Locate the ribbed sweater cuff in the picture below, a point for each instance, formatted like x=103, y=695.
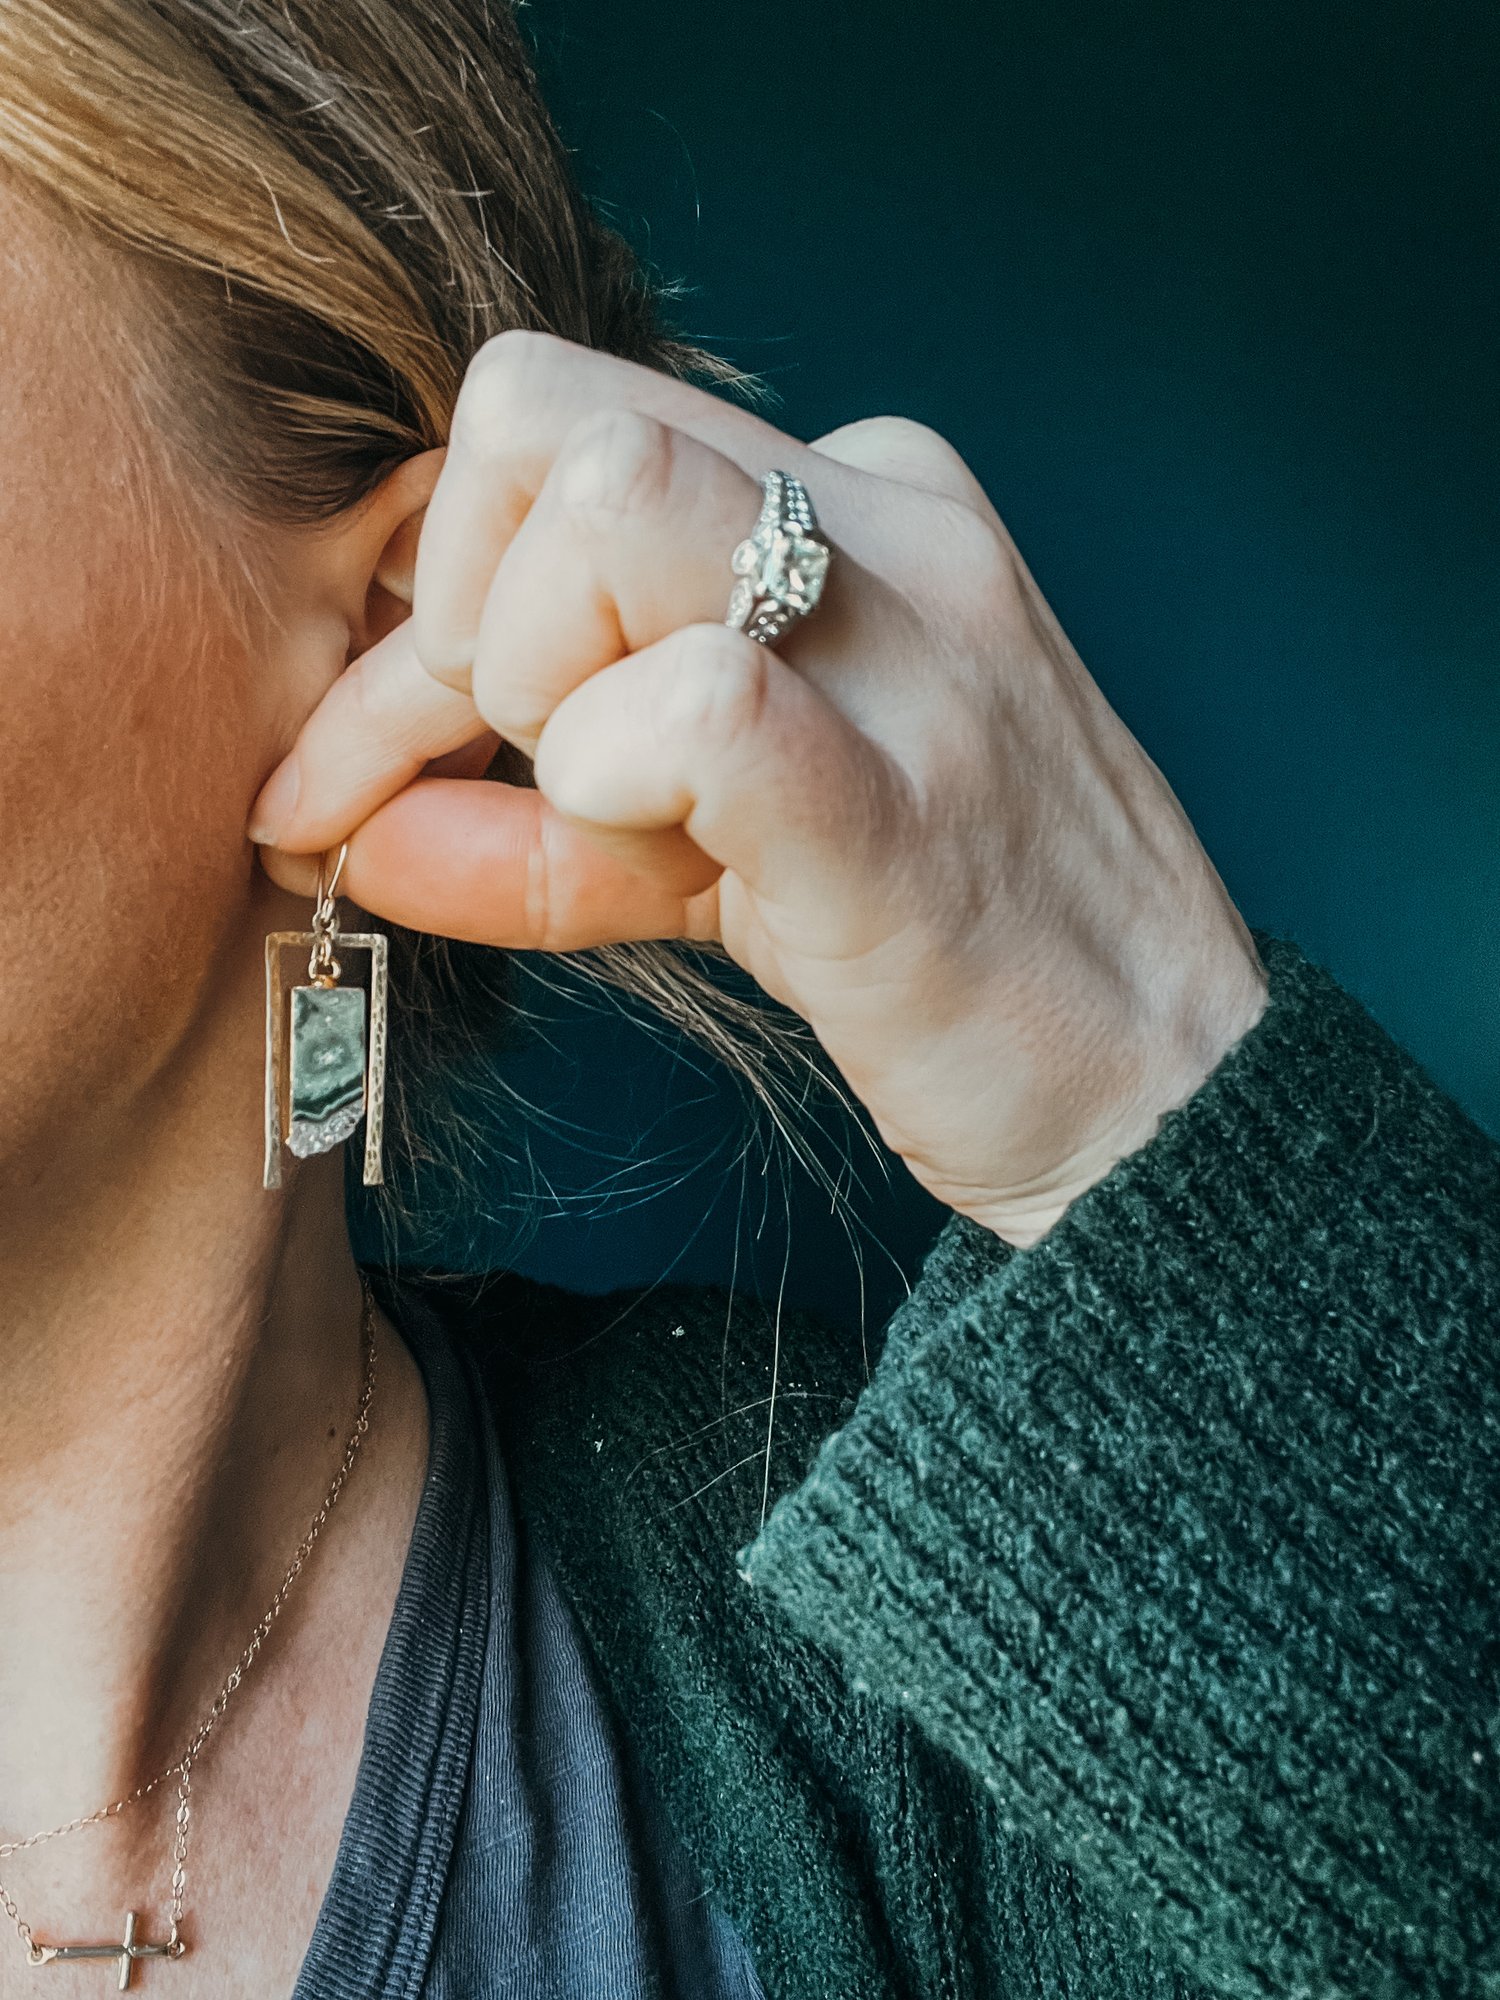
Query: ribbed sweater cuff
x=1179, y=1528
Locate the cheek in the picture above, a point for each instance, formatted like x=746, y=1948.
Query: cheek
x=132, y=741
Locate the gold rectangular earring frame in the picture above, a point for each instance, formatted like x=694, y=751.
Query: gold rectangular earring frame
x=378, y=946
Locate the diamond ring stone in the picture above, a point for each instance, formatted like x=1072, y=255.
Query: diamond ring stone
x=781, y=565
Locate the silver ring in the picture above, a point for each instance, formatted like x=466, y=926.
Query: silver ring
x=781, y=566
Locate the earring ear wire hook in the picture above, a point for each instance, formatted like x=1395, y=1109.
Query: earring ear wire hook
x=323, y=967
x=326, y=895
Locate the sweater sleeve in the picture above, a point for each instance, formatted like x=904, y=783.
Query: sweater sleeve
x=1180, y=1528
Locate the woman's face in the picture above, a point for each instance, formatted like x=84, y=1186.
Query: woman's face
x=136, y=722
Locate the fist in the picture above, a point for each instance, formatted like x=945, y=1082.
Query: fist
x=916, y=821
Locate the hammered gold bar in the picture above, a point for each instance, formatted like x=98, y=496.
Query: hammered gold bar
x=380, y=953
x=378, y=946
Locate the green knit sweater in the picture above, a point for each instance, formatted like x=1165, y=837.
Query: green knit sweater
x=1131, y=1629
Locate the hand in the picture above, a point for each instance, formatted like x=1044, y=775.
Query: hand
x=917, y=822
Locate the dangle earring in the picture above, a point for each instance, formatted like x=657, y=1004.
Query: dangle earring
x=323, y=1072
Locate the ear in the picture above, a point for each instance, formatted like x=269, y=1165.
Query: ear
x=378, y=553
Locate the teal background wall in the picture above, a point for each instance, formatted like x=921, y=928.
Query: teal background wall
x=1207, y=296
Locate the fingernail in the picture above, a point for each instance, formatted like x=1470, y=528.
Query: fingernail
x=277, y=802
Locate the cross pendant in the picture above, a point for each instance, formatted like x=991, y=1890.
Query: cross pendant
x=127, y=1951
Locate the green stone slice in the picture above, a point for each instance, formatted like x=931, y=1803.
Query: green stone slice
x=327, y=1066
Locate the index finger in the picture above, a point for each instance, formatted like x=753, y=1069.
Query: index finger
x=522, y=394
x=378, y=726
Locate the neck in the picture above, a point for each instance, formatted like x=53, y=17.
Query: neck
x=181, y=1357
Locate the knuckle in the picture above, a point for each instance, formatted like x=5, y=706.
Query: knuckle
x=720, y=690
x=383, y=700
x=362, y=717
x=536, y=893
x=912, y=438
x=905, y=449
x=370, y=694
x=612, y=463
x=501, y=384
x=978, y=565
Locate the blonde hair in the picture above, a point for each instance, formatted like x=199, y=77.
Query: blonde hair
x=333, y=203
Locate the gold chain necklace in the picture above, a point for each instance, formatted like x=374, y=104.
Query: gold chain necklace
x=130, y=1949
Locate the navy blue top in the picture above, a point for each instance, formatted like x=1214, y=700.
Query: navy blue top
x=501, y=1840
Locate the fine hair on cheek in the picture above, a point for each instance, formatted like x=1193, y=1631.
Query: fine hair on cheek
x=132, y=719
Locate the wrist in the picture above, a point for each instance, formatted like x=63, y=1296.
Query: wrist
x=1209, y=1025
